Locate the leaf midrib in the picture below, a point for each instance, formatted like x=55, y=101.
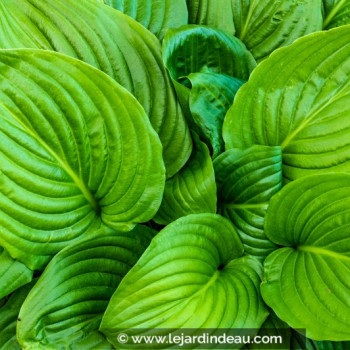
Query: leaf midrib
x=333, y=12
x=323, y=251
x=311, y=117
x=65, y=166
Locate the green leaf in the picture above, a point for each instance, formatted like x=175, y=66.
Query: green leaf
x=246, y=180
x=217, y=14
x=298, y=342
x=210, y=98
x=8, y=318
x=76, y=151
x=13, y=274
x=337, y=13
x=155, y=15
x=263, y=25
x=198, y=49
x=111, y=42
x=307, y=282
x=190, y=191
x=298, y=99
x=331, y=345
x=191, y=276
x=273, y=326
x=68, y=301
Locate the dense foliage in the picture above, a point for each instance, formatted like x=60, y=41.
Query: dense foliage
x=174, y=164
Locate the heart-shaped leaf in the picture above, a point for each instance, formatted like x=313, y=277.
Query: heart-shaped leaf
x=246, y=180
x=191, y=276
x=13, y=274
x=155, y=15
x=298, y=99
x=76, y=150
x=111, y=42
x=307, y=282
x=70, y=297
x=192, y=190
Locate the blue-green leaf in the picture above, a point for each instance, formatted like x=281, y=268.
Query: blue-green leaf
x=197, y=49
x=211, y=97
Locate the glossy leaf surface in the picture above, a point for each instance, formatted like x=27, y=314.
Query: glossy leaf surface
x=77, y=151
x=191, y=276
x=298, y=99
x=13, y=274
x=197, y=49
x=263, y=25
x=111, y=42
x=246, y=180
x=307, y=281
x=190, y=191
x=68, y=301
x=155, y=15
x=211, y=97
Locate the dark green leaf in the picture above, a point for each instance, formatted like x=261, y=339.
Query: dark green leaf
x=210, y=98
x=337, y=13
x=263, y=25
x=13, y=274
x=198, y=49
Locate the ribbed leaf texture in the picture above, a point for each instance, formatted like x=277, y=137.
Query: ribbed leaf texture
x=190, y=191
x=246, y=180
x=13, y=274
x=263, y=25
x=65, y=308
x=157, y=16
x=191, y=276
x=77, y=152
x=299, y=99
x=307, y=281
x=111, y=42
